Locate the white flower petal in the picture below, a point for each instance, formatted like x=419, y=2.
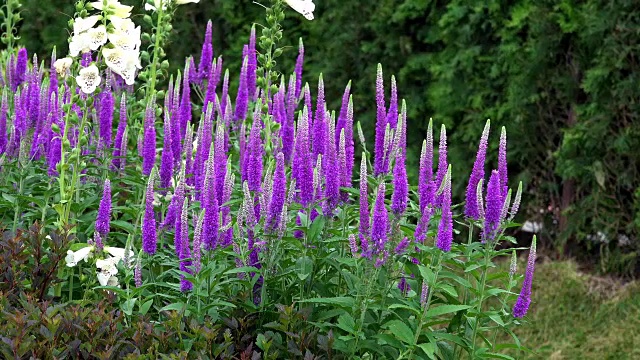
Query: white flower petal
x=62, y=66
x=79, y=43
x=116, y=252
x=103, y=278
x=97, y=37
x=304, y=7
x=74, y=257
x=113, y=281
x=89, y=79
x=81, y=25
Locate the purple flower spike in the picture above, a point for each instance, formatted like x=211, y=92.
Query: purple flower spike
x=298, y=69
x=320, y=122
x=19, y=75
x=4, y=108
x=225, y=93
x=104, y=211
x=149, y=146
x=197, y=242
x=425, y=180
x=105, y=119
x=493, y=210
x=502, y=162
x=206, y=56
x=380, y=223
x=331, y=171
x=400, y=186
x=182, y=226
x=392, y=115
x=242, y=98
x=423, y=225
x=185, y=101
x=442, y=164
x=278, y=195
x=353, y=245
x=302, y=166
x=364, y=198
x=122, y=125
x=402, y=246
x=477, y=174
x=137, y=274
x=252, y=65
x=381, y=124
x=149, y=237
x=403, y=286
x=524, y=299
x=166, y=161
x=211, y=204
x=445, y=228
x=255, y=152
x=287, y=113
x=345, y=178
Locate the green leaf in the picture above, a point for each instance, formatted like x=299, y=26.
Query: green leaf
x=144, y=308
x=124, y=225
x=347, y=323
x=401, y=331
x=127, y=306
x=179, y=306
x=304, y=267
x=343, y=301
x=429, y=349
x=445, y=309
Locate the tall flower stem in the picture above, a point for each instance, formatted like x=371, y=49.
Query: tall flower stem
x=483, y=282
x=363, y=309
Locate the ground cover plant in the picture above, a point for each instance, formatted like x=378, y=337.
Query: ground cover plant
x=150, y=213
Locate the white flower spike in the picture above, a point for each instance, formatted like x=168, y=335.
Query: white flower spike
x=89, y=79
x=304, y=7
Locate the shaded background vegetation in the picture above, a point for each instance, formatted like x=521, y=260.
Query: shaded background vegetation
x=562, y=76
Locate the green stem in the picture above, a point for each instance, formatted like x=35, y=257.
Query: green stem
x=156, y=54
x=17, y=212
x=479, y=308
x=504, y=300
x=363, y=310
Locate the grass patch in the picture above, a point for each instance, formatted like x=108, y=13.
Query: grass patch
x=581, y=316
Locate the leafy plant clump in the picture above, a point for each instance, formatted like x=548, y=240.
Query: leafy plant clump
x=175, y=219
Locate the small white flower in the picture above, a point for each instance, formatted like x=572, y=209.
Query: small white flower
x=107, y=270
x=116, y=252
x=97, y=37
x=118, y=10
x=89, y=79
x=63, y=65
x=125, y=26
x=74, y=257
x=81, y=25
x=304, y=7
x=129, y=40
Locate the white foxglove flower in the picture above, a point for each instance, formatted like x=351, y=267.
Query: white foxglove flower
x=63, y=65
x=118, y=10
x=126, y=41
x=304, y=7
x=79, y=43
x=122, y=62
x=124, y=26
x=74, y=257
x=81, y=25
x=89, y=79
x=96, y=37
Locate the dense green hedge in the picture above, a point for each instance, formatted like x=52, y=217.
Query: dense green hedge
x=561, y=75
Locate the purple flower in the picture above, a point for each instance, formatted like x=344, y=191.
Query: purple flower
x=442, y=164
x=331, y=171
x=182, y=246
x=149, y=146
x=149, y=237
x=502, y=162
x=104, y=210
x=424, y=293
x=402, y=246
x=423, y=225
x=204, y=144
x=477, y=174
x=345, y=178
x=319, y=122
x=225, y=94
x=286, y=114
x=206, y=56
x=175, y=121
x=353, y=245
x=122, y=125
x=137, y=274
x=302, y=165
x=252, y=64
x=105, y=119
x=298, y=69
x=19, y=74
x=197, y=242
x=524, y=299
x=278, y=194
x=380, y=223
x=445, y=228
x=185, y=102
x=4, y=108
x=403, y=286
x=210, y=203
x=242, y=98
x=400, y=186
x=255, y=153
x=166, y=160
x=174, y=206
x=364, y=198
x=392, y=115
x=493, y=208
x=381, y=124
